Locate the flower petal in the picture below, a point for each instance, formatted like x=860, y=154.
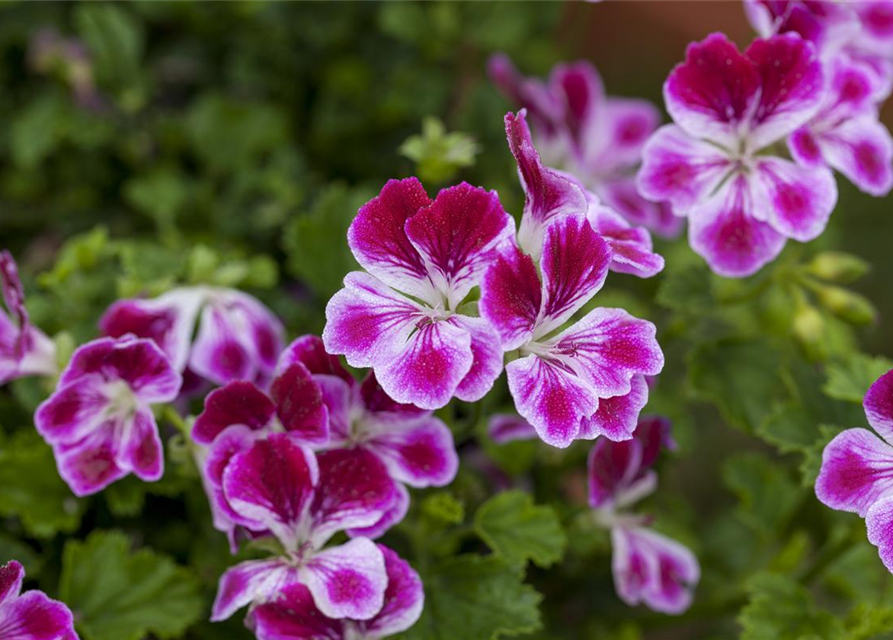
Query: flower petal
x=713, y=91
x=626, y=125
x=611, y=467
x=74, y=411
x=270, y=486
x=879, y=522
x=862, y=150
x=617, y=417
x=878, y=404
x=584, y=98
x=366, y=319
x=574, y=265
x=508, y=427
x=547, y=193
x=292, y=615
x=427, y=368
x=622, y=194
x=544, y=107
x=339, y=504
x=238, y=402
x=137, y=361
x=219, y=352
x=511, y=296
x=423, y=455
x=141, y=450
x=458, y=236
x=607, y=348
x=723, y=231
x=403, y=600
x=347, y=581
x=90, y=465
x=857, y=471
x=33, y=616
x=378, y=239
x=551, y=397
x=680, y=169
x=251, y=581
x=231, y=441
x=381, y=406
x=796, y=201
x=392, y=516
x=631, y=247
x=11, y=576
x=310, y=351
x=486, y=351
x=299, y=404
x=791, y=87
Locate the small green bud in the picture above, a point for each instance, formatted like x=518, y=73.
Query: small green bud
x=444, y=508
x=809, y=329
x=839, y=267
x=846, y=305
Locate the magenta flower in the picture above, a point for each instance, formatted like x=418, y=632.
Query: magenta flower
x=562, y=377
x=846, y=133
x=99, y=419
x=857, y=469
x=404, y=318
x=273, y=485
x=509, y=427
x=551, y=194
x=30, y=615
x=238, y=337
x=294, y=616
x=715, y=165
x=596, y=138
x=24, y=349
x=648, y=568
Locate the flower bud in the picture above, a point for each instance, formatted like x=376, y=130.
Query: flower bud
x=847, y=305
x=836, y=266
x=809, y=328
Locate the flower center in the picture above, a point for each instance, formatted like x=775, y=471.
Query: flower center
x=122, y=402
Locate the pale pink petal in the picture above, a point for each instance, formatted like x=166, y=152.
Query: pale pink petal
x=856, y=472
x=878, y=404
x=797, y=201
x=423, y=455
x=862, y=150
x=584, y=97
x=511, y=296
x=631, y=247
x=625, y=127
x=219, y=352
x=347, y=581
x=621, y=194
x=254, y=581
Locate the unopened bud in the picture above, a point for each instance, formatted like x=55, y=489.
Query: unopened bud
x=809, y=327
x=836, y=266
x=847, y=305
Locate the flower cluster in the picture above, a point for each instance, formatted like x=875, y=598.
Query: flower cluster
x=648, y=567
x=595, y=137
x=30, y=615
x=24, y=349
x=856, y=469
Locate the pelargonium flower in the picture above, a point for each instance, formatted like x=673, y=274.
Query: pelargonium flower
x=99, y=419
x=846, y=133
x=24, y=349
x=551, y=194
x=857, y=469
x=238, y=337
x=30, y=615
x=562, y=378
x=648, y=567
x=403, y=318
x=509, y=427
x=294, y=616
x=273, y=485
x=714, y=165
x=594, y=137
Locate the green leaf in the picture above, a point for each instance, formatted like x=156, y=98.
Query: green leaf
x=43, y=502
x=316, y=241
x=471, y=597
x=443, y=507
x=517, y=530
x=781, y=609
x=687, y=289
x=34, y=133
x=766, y=493
x=740, y=376
x=439, y=155
x=867, y=621
x=849, y=380
x=160, y=194
x=118, y=595
x=116, y=42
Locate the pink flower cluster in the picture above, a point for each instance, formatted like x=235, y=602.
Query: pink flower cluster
x=857, y=469
x=30, y=615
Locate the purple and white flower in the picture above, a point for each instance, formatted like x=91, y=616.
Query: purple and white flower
x=30, y=615
x=24, y=349
x=404, y=316
x=99, y=419
x=294, y=616
x=273, y=485
x=596, y=138
x=238, y=337
x=715, y=166
x=648, y=567
x=857, y=469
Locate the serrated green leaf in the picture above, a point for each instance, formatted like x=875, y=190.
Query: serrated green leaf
x=518, y=530
x=687, y=289
x=766, y=493
x=471, y=597
x=781, y=609
x=866, y=621
x=741, y=377
x=849, y=380
x=118, y=595
x=44, y=503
